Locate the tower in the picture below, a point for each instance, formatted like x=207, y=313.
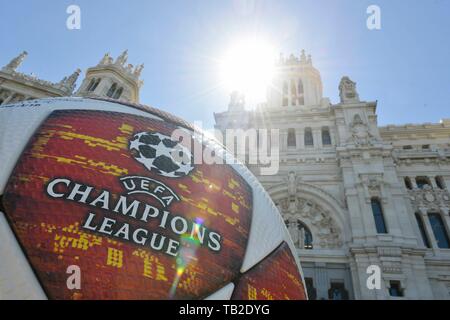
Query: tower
x=296, y=83
x=115, y=79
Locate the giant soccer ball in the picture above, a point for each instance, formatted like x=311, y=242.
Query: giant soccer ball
x=102, y=200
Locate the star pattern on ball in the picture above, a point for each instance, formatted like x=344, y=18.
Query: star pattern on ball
x=161, y=154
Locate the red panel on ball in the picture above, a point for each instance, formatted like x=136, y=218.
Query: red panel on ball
x=274, y=278
x=79, y=196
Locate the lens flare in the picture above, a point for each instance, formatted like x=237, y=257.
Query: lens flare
x=248, y=67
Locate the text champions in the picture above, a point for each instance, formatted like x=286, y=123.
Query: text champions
x=62, y=188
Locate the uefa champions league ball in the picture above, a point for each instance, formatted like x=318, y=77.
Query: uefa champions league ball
x=100, y=200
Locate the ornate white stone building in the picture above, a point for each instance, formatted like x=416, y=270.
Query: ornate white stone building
x=352, y=194
x=115, y=79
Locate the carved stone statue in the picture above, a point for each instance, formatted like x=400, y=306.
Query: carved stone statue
x=138, y=70
x=16, y=62
x=292, y=184
x=347, y=90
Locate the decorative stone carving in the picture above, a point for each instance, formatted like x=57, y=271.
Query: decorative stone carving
x=429, y=199
x=347, y=90
x=360, y=133
x=325, y=232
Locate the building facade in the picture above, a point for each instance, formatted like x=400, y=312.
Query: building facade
x=115, y=79
x=353, y=195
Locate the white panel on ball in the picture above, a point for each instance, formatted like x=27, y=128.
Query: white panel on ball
x=17, y=279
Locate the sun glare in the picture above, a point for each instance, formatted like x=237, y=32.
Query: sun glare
x=248, y=67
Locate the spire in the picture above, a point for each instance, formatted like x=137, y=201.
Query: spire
x=138, y=70
x=16, y=62
x=69, y=82
x=303, y=56
x=122, y=59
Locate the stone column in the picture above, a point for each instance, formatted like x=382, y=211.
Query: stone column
x=317, y=138
x=429, y=231
x=433, y=182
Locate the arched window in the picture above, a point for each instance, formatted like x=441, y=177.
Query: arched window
x=96, y=84
x=300, y=86
x=439, y=230
x=118, y=93
x=309, y=140
x=291, y=139
x=112, y=90
x=326, y=138
x=440, y=182
x=377, y=211
x=423, y=234
x=422, y=182
x=91, y=84
x=408, y=183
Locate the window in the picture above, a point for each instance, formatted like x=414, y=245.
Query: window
x=309, y=141
x=408, y=183
x=118, y=93
x=312, y=292
x=112, y=90
x=96, y=84
x=300, y=86
x=337, y=291
x=422, y=230
x=426, y=147
x=407, y=147
x=307, y=239
x=395, y=289
x=291, y=139
x=91, y=84
x=439, y=230
x=326, y=138
x=440, y=182
x=422, y=182
x=378, y=216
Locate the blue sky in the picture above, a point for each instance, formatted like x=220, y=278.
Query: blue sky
x=405, y=65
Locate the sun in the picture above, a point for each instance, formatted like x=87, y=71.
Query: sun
x=248, y=67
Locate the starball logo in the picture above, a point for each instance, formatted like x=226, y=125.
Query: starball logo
x=124, y=218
